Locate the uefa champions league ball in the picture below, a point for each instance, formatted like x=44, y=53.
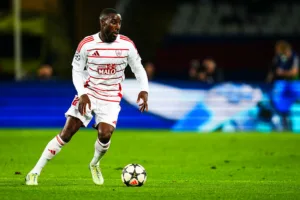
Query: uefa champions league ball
x=134, y=175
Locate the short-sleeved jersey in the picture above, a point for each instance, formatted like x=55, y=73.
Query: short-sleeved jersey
x=105, y=64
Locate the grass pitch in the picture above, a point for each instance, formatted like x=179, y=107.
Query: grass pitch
x=179, y=166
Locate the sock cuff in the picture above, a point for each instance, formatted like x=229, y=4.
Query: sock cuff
x=60, y=141
x=105, y=146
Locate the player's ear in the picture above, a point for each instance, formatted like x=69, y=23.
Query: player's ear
x=102, y=22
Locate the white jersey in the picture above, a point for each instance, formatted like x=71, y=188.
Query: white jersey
x=105, y=64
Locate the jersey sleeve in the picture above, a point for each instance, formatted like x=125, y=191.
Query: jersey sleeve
x=79, y=59
x=135, y=63
x=295, y=62
x=78, y=64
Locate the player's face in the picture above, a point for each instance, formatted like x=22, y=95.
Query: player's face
x=277, y=50
x=111, y=26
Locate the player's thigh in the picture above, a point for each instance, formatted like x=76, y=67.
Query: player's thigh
x=107, y=113
x=279, y=87
x=282, y=96
x=74, y=111
x=279, y=90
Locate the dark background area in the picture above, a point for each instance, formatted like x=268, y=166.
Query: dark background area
x=242, y=56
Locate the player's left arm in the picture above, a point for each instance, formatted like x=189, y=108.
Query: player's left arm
x=294, y=70
x=134, y=61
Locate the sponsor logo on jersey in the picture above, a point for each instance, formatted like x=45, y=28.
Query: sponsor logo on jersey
x=108, y=69
x=96, y=54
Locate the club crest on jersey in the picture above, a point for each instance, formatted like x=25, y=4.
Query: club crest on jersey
x=108, y=69
x=119, y=53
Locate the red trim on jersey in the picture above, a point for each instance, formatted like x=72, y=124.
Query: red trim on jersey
x=111, y=42
x=87, y=82
x=120, y=89
x=91, y=81
x=106, y=78
x=83, y=42
x=103, y=90
x=120, y=70
x=100, y=83
x=102, y=99
x=106, y=84
x=103, y=94
x=107, y=56
x=93, y=69
x=105, y=64
x=108, y=49
x=123, y=37
x=93, y=63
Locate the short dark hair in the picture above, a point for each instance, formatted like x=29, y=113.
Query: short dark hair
x=283, y=45
x=106, y=12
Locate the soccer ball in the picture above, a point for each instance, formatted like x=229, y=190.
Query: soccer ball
x=134, y=175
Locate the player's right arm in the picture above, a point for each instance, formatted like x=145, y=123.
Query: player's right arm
x=79, y=62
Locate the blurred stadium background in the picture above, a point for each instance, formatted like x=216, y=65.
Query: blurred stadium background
x=209, y=64
x=176, y=39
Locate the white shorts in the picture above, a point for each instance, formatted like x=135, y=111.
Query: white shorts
x=104, y=111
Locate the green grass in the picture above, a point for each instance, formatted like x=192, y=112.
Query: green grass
x=179, y=166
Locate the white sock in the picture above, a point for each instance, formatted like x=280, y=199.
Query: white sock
x=100, y=150
x=52, y=148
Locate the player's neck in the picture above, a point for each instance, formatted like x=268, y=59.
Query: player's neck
x=102, y=37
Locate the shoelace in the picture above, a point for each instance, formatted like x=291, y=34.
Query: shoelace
x=34, y=177
x=96, y=170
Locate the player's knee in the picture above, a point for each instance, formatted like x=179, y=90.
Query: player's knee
x=104, y=134
x=67, y=133
x=71, y=127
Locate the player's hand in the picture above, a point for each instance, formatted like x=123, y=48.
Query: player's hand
x=279, y=72
x=83, y=101
x=143, y=95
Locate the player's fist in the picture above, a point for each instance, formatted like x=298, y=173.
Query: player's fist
x=84, y=100
x=143, y=95
x=279, y=72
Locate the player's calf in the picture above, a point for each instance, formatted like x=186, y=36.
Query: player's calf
x=52, y=149
x=105, y=132
x=100, y=150
x=102, y=144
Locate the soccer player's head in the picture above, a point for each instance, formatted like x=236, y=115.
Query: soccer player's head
x=283, y=48
x=110, y=24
